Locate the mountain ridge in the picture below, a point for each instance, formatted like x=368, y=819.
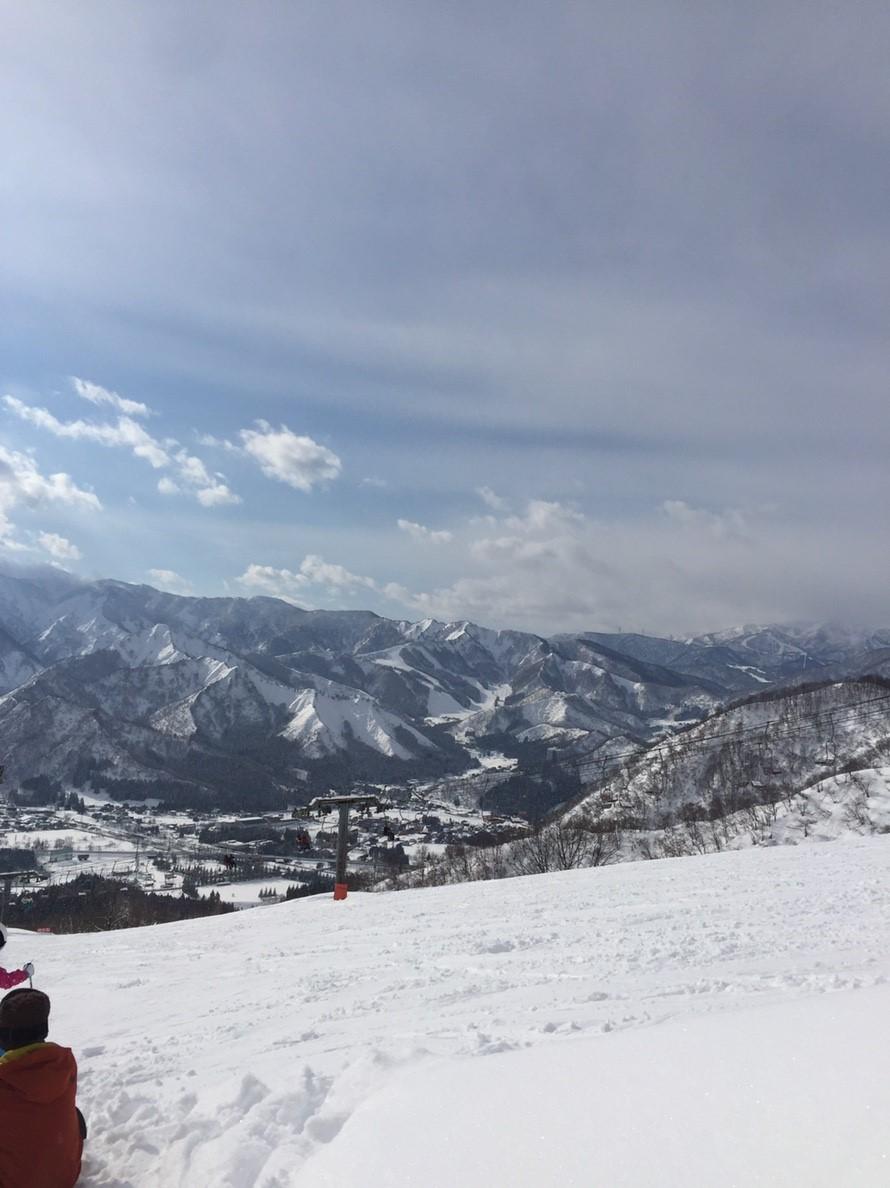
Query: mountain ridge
x=133, y=691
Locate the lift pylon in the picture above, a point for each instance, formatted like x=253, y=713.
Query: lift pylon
x=326, y=804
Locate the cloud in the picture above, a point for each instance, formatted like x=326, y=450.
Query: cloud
x=192, y=476
x=314, y=572
x=126, y=432
x=217, y=443
x=495, y=502
x=169, y=580
x=553, y=568
x=278, y=583
x=209, y=489
x=58, y=547
x=420, y=532
x=290, y=458
x=319, y=572
x=98, y=395
x=21, y=483
x=728, y=523
x=217, y=494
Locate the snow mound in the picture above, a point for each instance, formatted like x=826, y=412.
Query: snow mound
x=704, y=1109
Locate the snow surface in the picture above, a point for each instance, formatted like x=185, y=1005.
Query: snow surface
x=74, y=839
x=718, y=1020
x=247, y=892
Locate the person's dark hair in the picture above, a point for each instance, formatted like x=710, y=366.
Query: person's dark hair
x=24, y=1018
x=20, y=1039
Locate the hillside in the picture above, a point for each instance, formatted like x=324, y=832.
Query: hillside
x=126, y=690
x=673, y=1023
x=783, y=766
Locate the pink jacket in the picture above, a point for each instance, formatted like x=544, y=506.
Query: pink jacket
x=10, y=978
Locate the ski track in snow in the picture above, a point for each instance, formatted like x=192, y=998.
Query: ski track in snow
x=229, y=1051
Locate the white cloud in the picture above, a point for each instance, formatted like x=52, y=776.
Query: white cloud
x=98, y=395
x=217, y=443
x=58, y=547
x=192, y=476
x=209, y=489
x=21, y=483
x=278, y=583
x=421, y=532
x=371, y=480
x=169, y=580
x=319, y=572
x=216, y=495
x=290, y=458
x=314, y=572
x=495, y=502
x=125, y=433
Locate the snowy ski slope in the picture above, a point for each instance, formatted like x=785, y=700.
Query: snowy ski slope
x=719, y=1020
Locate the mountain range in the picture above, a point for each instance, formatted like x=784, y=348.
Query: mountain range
x=244, y=702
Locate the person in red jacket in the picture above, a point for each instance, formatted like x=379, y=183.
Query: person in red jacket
x=41, y=1130
x=12, y=977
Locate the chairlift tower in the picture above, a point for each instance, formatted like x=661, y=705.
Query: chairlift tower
x=327, y=804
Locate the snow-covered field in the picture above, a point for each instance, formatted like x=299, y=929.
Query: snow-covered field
x=76, y=839
x=708, y=1021
x=247, y=893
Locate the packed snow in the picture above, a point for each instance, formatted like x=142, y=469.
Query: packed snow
x=717, y=1020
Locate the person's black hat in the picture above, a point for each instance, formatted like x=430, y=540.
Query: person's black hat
x=24, y=1010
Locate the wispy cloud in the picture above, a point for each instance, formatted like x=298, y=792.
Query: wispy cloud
x=169, y=580
x=290, y=457
x=554, y=568
x=726, y=523
x=421, y=532
x=59, y=547
x=190, y=475
x=99, y=395
x=492, y=500
x=210, y=490
x=125, y=433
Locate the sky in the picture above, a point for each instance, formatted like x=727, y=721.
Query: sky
x=556, y=316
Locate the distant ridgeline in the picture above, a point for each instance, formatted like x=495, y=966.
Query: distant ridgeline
x=253, y=703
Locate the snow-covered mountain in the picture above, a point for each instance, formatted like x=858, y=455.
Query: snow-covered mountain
x=139, y=692
x=787, y=765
